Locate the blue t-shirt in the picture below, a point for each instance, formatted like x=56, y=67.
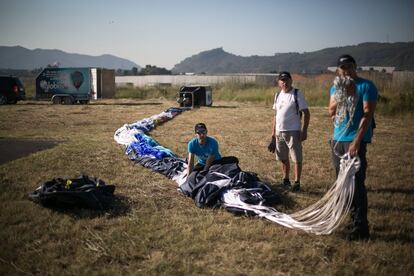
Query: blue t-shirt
x=367, y=92
x=203, y=151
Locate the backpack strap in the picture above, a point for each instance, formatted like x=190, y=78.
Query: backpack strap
x=295, y=95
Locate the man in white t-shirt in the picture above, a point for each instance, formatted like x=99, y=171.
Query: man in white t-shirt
x=288, y=131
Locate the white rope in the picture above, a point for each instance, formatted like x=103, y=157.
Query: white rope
x=322, y=217
x=345, y=106
x=346, y=103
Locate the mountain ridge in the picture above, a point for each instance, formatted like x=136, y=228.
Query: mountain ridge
x=18, y=57
x=398, y=54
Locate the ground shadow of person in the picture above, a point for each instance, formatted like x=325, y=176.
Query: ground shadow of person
x=284, y=201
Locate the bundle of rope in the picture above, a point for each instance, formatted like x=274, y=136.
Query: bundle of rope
x=346, y=101
x=321, y=218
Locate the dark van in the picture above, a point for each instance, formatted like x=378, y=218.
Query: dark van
x=11, y=90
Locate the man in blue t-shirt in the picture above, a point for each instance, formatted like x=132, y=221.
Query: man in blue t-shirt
x=206, y=149
x=351, y=107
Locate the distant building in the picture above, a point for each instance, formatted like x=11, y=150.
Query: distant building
x=190, y=79
x=385, y=69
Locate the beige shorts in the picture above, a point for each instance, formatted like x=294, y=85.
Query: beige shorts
x=288, y=142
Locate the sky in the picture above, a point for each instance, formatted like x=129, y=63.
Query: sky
x=165, y=32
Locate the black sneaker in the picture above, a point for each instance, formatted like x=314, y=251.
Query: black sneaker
x=359, y=234
x=286, y=184
x=296, y=186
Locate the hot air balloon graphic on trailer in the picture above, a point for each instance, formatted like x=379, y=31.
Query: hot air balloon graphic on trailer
x=70, y=84
x=77, y=79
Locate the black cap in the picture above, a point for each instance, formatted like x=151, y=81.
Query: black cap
x=200, y=128
x=284, y=75
x=345, y=59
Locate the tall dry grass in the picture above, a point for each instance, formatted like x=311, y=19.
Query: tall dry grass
x=396, y=98
x=142, y=93
x=152, y=229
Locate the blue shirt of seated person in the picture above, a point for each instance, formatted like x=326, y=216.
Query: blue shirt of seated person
x=206, y=149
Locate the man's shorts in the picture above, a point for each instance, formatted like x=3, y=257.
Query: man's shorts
x=288, y=142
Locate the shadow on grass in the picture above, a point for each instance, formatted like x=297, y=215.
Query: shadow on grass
x=119, y=207
x=378, y=236
x=409, y=191
x=283, y=200
x=385, y=209
x=223, y=106
x=392, y=238
x=317, y=192
x=286, y=199
x=15, y=148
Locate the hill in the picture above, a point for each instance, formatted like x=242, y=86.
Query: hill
x=399, y=55
x=17, y=57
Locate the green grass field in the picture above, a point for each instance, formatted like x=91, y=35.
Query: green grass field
x=152, y=229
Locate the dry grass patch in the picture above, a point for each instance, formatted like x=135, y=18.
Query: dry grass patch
x=152, y=229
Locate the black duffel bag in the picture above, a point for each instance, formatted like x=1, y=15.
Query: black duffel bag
x=83, y=192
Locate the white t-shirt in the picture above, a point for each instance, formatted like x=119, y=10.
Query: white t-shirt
x=287, y=117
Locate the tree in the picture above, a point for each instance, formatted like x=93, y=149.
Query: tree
x=154, y=70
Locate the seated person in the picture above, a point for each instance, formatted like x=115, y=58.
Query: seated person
x=206, y=149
